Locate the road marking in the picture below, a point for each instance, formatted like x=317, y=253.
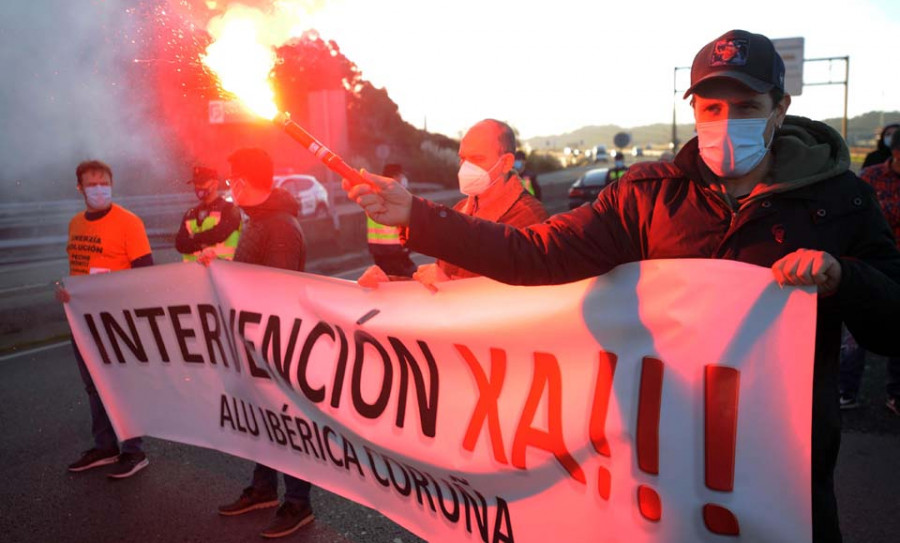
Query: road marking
x=36, y=350
x=25, y=287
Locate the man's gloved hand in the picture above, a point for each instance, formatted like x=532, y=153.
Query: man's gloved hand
x=207, y=255
x=372, y=277
x=429, y=274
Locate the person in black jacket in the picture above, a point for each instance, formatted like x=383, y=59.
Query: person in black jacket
x=214, y=224
x=272, y=237
x=882, y=151
x=784, y=198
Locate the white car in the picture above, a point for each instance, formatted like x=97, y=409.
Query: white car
x=309, y=193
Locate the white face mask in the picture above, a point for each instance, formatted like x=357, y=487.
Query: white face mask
x=98, y=196
x=473, y=180
x=733, y=147
x=887, y=140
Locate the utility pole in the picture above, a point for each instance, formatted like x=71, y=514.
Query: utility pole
x=675, y=141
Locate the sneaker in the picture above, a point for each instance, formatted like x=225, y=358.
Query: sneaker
x=250, y=500
x=289, y=518
x=94, y=458
x=849, y=402
x=893, y=405
x=128, y=465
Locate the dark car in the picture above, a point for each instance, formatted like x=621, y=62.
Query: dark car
x=587, y=187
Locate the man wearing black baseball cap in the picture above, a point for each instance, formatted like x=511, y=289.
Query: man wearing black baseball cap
x=755, y=185
x=213, y=226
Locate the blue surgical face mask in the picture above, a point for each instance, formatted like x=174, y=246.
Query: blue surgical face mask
x=517, y=164
x=98, y=196
x=733, y=147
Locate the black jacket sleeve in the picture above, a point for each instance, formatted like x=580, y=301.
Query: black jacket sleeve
x=585, y=242
x=285, y=247
x=230, y=221
x=142, y=261
x=869, y=293
x=184, y=243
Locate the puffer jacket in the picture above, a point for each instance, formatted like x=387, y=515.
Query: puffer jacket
x=677, y=210
x=505, y=201
x=272, y=235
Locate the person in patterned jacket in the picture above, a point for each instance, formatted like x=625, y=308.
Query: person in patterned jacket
x=885, y=179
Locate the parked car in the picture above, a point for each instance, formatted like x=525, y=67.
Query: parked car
x=601, y=154
x=588, y=186
x=637, y=151
x=309, y=193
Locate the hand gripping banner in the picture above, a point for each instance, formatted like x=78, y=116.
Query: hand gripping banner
x=665, y=401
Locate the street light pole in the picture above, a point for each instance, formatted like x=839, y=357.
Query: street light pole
x=845, y=83
x=674, y=105
x=846, y=92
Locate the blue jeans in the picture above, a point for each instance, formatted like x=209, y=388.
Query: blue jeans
x=266, y=479
x=853, y=364
x=104, y=435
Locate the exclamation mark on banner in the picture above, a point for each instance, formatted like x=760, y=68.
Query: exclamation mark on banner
x=722, y=386
x=602, y=393
x=649, y=403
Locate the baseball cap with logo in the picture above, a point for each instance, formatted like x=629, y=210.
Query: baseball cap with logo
x=202, y=174
x=749, y=59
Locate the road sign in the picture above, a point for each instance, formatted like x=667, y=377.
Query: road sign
x=382, y=151
x=791, y=51
x=229, y=111
x=622, y=139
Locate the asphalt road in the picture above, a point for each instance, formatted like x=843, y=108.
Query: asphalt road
x=46, y=424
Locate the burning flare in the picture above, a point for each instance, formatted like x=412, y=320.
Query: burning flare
x=242, y=60
x=242, y=56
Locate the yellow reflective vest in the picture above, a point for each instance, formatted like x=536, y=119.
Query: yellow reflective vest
x=224, y=249
x=380, y=234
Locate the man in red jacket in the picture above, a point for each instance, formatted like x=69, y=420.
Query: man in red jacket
x=493, y=191
x=755, y=185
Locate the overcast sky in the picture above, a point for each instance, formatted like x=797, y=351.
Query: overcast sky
x=555, y=66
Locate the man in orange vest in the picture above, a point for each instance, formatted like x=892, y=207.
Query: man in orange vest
x=104, y=238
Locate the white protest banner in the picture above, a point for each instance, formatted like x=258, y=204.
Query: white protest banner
x=665, y=401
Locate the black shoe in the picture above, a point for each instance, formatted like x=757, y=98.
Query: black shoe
x=94, y=458
x=289, y=518
x=128, y=465
x=250, y=500
x=848, y=402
